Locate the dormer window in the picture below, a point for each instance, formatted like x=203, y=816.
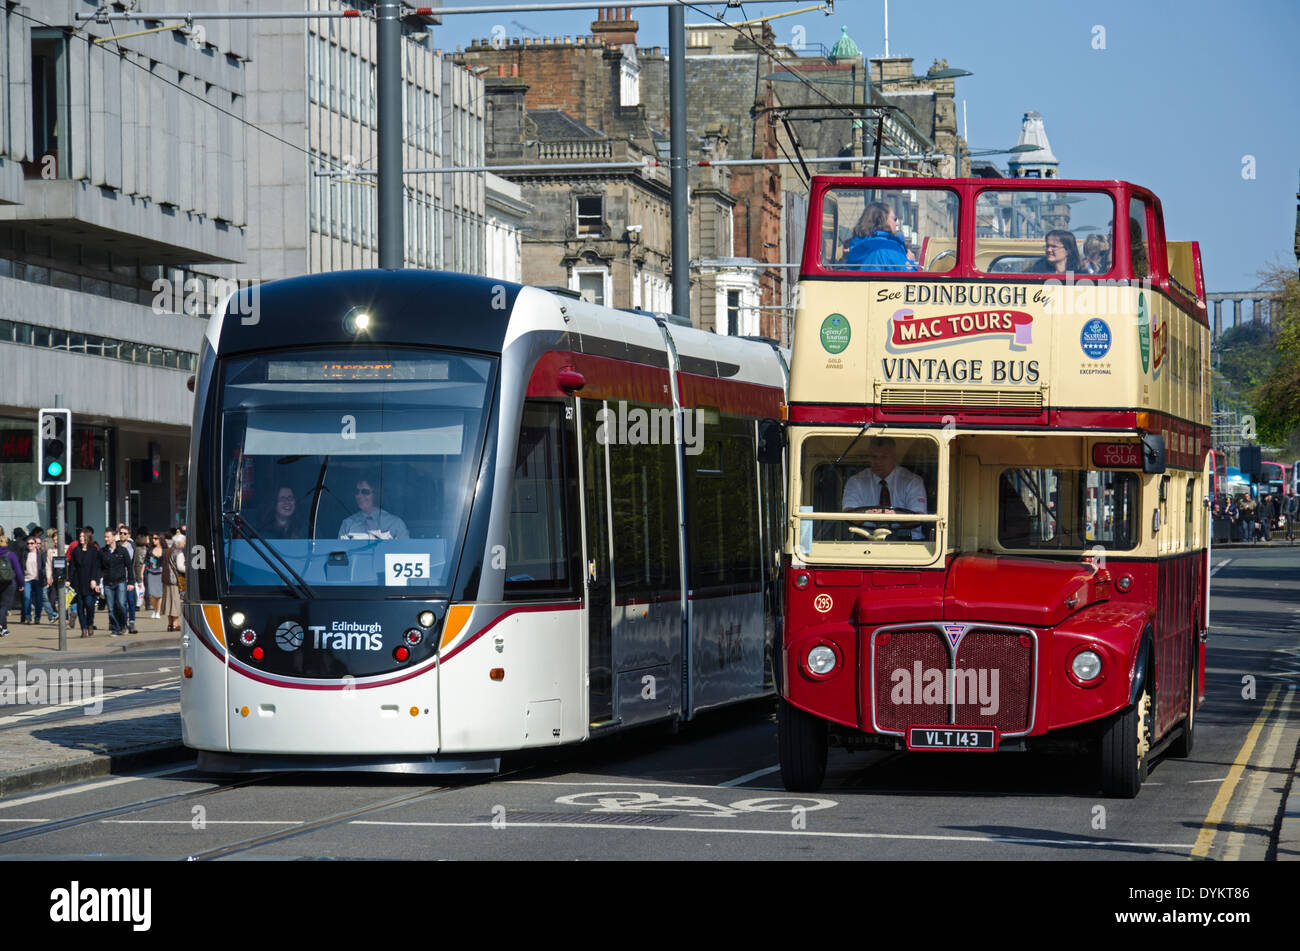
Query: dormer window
x=629, y=85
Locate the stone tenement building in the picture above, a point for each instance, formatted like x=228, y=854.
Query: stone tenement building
x=606, y=232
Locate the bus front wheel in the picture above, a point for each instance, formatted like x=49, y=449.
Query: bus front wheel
x=802, y=740
x=1124, y=746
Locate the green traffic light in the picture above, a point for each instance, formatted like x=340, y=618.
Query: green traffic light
x=54, y=469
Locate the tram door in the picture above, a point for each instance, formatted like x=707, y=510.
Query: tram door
x=595, y=504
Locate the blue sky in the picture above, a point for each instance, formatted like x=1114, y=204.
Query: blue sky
x=1185, y=97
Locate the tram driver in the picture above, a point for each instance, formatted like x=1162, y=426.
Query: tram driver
x=886, y=487
x=371, y=521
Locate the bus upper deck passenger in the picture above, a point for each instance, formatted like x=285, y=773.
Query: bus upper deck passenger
x=1060, y=254
x=876, y=242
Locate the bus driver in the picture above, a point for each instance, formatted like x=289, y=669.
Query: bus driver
x=886, y=487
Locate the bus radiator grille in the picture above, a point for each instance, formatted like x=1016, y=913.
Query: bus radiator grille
x=895, y=657
x=986, y=652
x=993, y=678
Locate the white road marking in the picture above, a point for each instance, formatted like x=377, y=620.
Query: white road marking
x=748, y=776
x=72, y=790
x=26, y=820
x=43, y=709
x=1216, y=568
x=695, y=830
x=1192, y=782
x=206, y=822
x=602, y=784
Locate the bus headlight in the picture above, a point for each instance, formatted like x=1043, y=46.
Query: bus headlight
x=821, y=660
x=1086, y=666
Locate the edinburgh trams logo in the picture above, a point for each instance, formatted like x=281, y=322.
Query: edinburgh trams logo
x=289, y=636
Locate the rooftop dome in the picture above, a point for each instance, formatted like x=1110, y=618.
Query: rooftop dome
x=844, y=47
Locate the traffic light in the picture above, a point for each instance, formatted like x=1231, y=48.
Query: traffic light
x=54, y=462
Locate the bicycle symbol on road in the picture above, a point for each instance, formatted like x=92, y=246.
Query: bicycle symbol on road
x=644, y=802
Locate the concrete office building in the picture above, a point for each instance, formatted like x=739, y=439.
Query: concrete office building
x=138, y=175
x=121, y=163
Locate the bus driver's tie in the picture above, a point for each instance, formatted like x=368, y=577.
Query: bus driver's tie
x=884, y=495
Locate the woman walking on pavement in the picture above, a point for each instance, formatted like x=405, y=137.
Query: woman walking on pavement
x=153, y=574
x=11, y=582
x=84, y=576
x=173, y=579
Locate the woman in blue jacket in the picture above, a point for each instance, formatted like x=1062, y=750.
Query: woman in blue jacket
x=876, y=243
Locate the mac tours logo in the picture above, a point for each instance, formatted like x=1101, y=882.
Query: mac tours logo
x=909, y=332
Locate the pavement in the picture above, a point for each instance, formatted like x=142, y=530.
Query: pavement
x=38, y=751
x=91, y=745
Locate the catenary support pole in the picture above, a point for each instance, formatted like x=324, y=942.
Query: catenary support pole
x=392, y=250
x=681, y=229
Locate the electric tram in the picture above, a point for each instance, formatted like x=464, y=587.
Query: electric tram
x=437, y=517
x=999, y=454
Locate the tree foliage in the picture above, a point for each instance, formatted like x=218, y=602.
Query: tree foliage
x=1277, y=398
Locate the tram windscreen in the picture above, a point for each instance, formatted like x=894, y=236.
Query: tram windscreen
x=889, y=229
x=349, y=468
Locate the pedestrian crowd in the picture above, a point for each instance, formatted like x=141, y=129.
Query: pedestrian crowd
x=118, y=575
x=1254, y=520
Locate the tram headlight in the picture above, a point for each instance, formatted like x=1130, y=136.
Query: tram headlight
x=412, y=636
x=356, y=321
x=1086, y=665
x=248, y=637
x=237, y=618
x=821, y=660
x=427, y=618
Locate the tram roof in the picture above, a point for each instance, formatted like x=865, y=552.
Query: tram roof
x=416, y=307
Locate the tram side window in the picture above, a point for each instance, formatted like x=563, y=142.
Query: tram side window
x=722, y=486
x=1067, y=509
x=889, y=230
x=643, y=505
x=542, y=545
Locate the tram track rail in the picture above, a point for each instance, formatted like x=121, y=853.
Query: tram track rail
x=98, y=815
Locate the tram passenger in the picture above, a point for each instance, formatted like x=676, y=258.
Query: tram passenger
x=371, y=521
x=1096, y=253
x=284, y=520
x=876, y=243
x=886, y=487
x=1060, y=254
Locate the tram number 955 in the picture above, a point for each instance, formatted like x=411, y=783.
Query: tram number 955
x=406, y=569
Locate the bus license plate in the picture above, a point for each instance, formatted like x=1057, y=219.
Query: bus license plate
x=951, y=738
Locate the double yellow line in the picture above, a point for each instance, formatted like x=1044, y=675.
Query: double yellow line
x=1210, y=827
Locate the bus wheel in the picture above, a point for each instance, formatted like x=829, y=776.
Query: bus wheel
x=1124, y=747
x=802, y=740
x=1181, y=748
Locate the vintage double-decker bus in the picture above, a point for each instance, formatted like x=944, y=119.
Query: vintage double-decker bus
x=999, y=453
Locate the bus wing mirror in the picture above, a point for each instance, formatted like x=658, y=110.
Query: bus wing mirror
x=771, y=442
x=1153, y=453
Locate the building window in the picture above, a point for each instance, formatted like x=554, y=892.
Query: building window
x=49, y=106
x=591, y=285
x=733, y=313
x=591, y=212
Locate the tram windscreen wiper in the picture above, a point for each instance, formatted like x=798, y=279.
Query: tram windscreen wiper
x=287, y=575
